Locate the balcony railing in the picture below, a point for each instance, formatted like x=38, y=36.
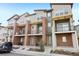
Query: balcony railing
x=62, y=29
x=34, y=32
x=10, y=24
x=20, y=32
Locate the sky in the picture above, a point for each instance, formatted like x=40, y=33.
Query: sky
x=7, y=10
x=75, y=11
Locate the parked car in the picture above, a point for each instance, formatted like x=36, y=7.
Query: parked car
x=6, y=47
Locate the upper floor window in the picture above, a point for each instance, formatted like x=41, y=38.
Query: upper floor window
x=66, y=12
x=61, y=11
x=39, y=17
x=49, y=14
x=39, y=28
x=49, y=24
x=62, y=26
x=57, y=14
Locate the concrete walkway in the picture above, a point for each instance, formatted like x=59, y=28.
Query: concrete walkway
x=32, y=53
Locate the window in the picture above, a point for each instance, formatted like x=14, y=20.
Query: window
x=40, y=28
x=61, y=11
x=49, y=24
x=57, y=14
x=49, y=40
x=64, y=39
x=63, y=26
x=39, y=17
x=49, y=14
x=66, y=12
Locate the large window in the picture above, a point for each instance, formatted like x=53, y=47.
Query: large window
x=62, y=26
x=32, y=29
x=50, y=40
x=61, y=11
x=49, y=24
x=40, y=28
x=39, y=17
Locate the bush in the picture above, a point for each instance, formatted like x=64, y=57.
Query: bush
x=41, y=46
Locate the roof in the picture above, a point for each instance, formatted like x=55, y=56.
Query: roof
x=3, y=26
x=45, y=10
x=12, y=17
x=31, y=14
x=40, y=10
x=62, y=4
x=24, y=14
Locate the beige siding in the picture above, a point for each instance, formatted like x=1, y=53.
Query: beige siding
x=56, y=7
x=40, y=13
x=12, y=21
x=22, y=19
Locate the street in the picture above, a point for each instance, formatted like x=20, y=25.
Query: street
x=12, y=54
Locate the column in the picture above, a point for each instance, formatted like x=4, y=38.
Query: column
x=53, y=36
x=27, y=40
x=75, y=40
x=44, y=30
x=71, y=23
x=13, y=35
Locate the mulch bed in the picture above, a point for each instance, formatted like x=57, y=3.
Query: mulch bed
x=65, y=52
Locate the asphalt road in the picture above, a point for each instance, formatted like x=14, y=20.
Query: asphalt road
x=12, y=54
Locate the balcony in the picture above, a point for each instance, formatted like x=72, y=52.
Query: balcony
x=62, y=14
x=10, y=26
x=11, y=23
x=36, y=21
x=62, y=17
x=20, y=33
x=64, y=29
x=36, y=32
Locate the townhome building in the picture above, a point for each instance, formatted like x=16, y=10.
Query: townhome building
x=76, y=27
x=38, y=28
x=3, y=34
x=11, y=24
x=19, y=34
x=54, y=27
x=63, y=33
x=30, y=29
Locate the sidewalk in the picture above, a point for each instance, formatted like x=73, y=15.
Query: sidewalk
x=34, y=53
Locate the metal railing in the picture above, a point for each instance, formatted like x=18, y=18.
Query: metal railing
x=20, y=32
x=65, y=28
x=34, y=32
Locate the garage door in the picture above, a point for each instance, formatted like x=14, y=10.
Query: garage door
x=64, y=39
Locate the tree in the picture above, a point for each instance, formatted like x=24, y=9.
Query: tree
x=41, y=46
